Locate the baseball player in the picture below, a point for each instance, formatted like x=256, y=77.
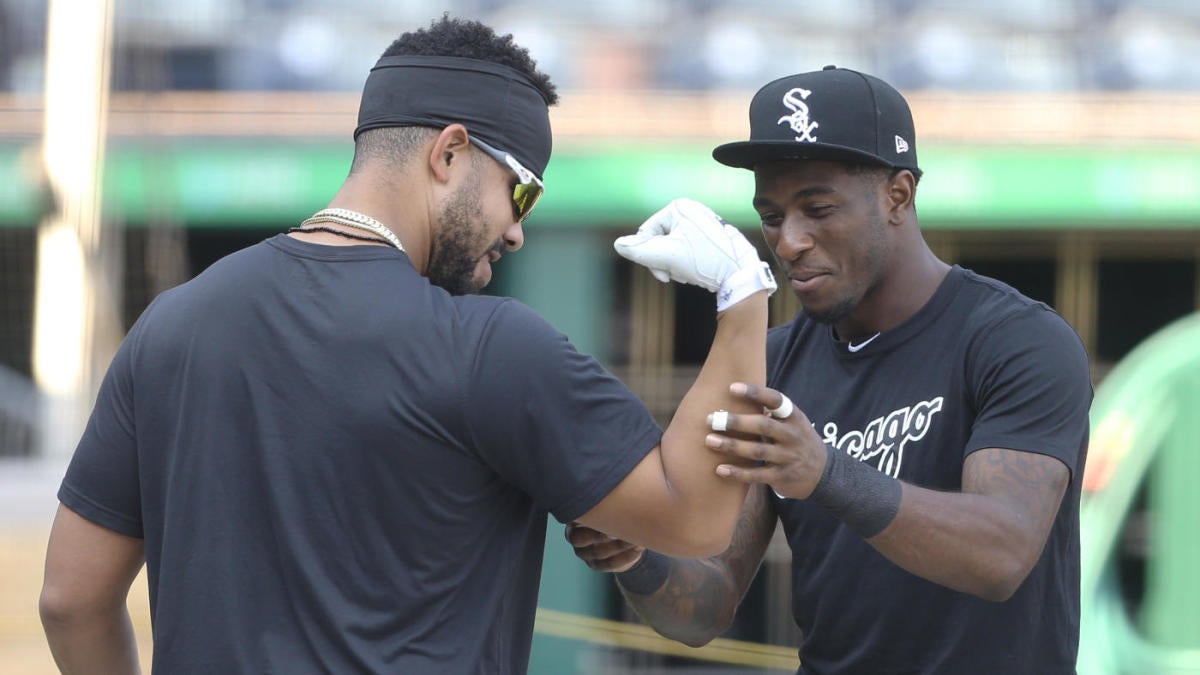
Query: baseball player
x=927, y=471
x=333, y=458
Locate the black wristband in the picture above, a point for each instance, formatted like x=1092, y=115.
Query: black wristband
x=862, y=497
x=647, y=575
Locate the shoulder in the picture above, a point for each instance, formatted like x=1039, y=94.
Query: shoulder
x=1005, y=327
x=489, y=316
x=502, y=335
x=210, y=289
x=250, y=260
x=991, y=300
x=994, y=310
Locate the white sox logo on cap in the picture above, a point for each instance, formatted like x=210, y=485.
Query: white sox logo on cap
x=833, y=115
x=798, y=120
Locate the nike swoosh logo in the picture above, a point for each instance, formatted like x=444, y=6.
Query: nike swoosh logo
x=856, y=347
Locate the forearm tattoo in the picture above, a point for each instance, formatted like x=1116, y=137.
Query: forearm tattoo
x=700, y=596
x=1034, y=481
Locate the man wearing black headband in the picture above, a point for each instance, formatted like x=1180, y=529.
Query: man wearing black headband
x=334, y=459
x=928, y=476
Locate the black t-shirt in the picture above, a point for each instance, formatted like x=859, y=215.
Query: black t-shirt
x=980, y=366
x=337, y=467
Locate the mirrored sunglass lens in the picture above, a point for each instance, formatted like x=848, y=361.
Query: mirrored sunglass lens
x=525, y=196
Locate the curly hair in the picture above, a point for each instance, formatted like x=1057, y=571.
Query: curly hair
x=473, y=40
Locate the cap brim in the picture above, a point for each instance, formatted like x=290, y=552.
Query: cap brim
x=749, y=154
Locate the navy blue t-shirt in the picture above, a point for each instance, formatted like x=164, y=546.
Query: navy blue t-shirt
x=338, y=467
x=980, y=366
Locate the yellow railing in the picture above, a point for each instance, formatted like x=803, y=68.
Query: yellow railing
x=643, y=638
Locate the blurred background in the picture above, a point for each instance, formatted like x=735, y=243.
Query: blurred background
x=141, y=140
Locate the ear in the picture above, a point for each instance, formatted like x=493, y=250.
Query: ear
x=449, y=151
x=900, y=191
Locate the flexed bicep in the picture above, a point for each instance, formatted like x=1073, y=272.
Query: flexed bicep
x=698, y=599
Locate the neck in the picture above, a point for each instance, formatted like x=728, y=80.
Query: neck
x=395, y=205
x=904, y=289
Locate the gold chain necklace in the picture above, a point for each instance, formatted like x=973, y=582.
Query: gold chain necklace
x=355, y=220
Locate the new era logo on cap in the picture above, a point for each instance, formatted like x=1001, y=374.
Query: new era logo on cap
x=834, y=114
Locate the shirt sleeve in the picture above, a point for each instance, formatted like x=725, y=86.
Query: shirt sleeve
x=1032, y=387
x=101, y=483
x=549, y=419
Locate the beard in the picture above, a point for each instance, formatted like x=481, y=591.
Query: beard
x=452, y=259
x=832, y=315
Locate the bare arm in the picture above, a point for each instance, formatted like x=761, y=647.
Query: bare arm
x=673, y=501
x=88, y=573
x=986, y=539
x=700, y=597
x=983, y=540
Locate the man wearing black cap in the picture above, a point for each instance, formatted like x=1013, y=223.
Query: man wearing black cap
x=333, y=461
x=927, y=476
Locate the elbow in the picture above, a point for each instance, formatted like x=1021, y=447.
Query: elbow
x=695, y=634
x=1002, y=580
x=995, y=591
x=703, y=607
x=696, y=640
x=705, y=634
x=1004, y=587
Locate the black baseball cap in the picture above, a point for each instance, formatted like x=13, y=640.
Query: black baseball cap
x=832, y=114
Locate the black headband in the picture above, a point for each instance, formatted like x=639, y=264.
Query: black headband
x=497, y=103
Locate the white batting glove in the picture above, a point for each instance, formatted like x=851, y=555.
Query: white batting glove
x=688, y=243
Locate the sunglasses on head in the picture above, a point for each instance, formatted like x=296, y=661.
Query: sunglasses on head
x=529, y=188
